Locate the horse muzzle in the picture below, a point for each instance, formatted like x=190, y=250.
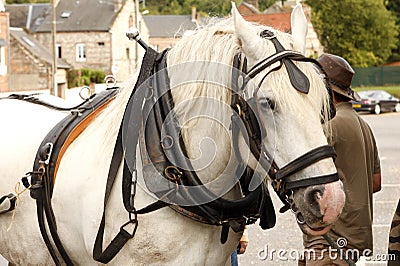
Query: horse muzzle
x=318, y=207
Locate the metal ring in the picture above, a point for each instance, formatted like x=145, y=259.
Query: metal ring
x=172, y=173
x=111, y=81
x=149, y=94
x=89, y=93
x=300, y=219
x=239, y=109
x=167, y=142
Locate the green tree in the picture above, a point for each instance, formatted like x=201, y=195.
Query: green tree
x=184, y=7
x=205, y=7
x=394, y=7
x=362, y=31
x=264, y=4
x=26, y=1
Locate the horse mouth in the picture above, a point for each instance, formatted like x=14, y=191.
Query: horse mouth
x=312, y=231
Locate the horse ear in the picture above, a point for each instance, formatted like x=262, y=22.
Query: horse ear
x=250, y=41
x=299, y=26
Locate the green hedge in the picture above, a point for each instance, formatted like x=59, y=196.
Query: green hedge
x=376, y=76
x=84, y=76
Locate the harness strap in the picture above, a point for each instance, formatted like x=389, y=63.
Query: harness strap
x=32, y=99
x=123, y=235
x=333, y=244
x=312, y=181
x=305, y=160
x=298, y=79
x=11, y=197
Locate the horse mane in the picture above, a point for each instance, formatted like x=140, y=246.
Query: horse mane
x=217, y=42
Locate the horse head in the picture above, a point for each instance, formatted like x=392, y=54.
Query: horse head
x=287, y=96
x=295, y=122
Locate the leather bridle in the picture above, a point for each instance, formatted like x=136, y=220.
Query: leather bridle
x=248, y=113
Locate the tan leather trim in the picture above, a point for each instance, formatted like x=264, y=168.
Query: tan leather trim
x=78, y=130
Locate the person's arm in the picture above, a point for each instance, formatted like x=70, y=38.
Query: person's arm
x=376, y=179
x=376, y=183
x=243, y=242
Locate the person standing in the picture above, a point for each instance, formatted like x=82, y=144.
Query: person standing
x=394, y=238
x=358, y=165
x=243, y=242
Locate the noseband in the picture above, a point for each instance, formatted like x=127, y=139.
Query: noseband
x=247, y=113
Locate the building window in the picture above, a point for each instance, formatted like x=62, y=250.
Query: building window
x=101, y=44
x=80, y=52
x=58, y=49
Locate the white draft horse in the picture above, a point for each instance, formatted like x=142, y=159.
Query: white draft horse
x=165, y=237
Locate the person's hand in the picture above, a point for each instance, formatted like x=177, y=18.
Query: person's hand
x=242, y=247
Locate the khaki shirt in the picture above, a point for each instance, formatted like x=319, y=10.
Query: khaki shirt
x=357, y=161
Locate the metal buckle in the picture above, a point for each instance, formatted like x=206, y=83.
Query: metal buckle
x=132, y=221
x=277, y=184
x=47, y=154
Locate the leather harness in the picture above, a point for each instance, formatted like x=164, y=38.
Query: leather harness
x=158, y=103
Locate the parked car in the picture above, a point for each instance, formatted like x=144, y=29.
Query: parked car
x=377, y=101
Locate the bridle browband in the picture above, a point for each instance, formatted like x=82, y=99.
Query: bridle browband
x=248, y=112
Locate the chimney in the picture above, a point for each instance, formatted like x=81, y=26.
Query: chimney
x=117, y=5
x=253, y=2
x=194, y=14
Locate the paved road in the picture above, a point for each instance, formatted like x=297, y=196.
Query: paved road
x=286, y=235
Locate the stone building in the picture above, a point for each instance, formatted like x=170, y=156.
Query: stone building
x=166, y=30
x=92, y=34
x=28, y=16
x=4, y=49
x=31, y=65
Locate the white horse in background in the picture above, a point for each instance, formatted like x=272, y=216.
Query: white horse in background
x=163, y=237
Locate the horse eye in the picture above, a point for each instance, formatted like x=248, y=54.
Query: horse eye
x=267, y=103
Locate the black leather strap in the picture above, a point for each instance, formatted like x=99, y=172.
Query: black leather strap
x=298, y=79
x=12, y=198
x=305, y=160
x=123, y=235
x=32, y=98
x=311, y=181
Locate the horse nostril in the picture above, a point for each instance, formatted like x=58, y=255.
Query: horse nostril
x=313, y=196
x=318, y=194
